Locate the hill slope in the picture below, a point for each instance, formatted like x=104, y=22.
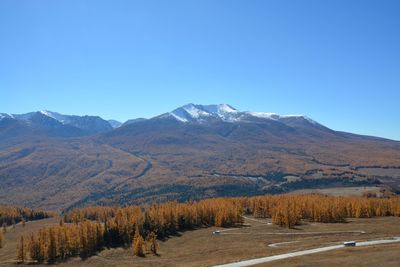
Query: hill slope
x=192, y=152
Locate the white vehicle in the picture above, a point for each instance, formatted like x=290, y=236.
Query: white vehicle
x=216, y=232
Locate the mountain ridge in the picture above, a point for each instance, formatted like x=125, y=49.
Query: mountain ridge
x=216, y=151
x=186, y=113
x=213, y=113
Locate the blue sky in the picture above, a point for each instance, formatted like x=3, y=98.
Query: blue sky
x=337, y=62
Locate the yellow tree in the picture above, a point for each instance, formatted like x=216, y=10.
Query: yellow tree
x=153, y=243
x=33, y=248
x=137, y=244
x=52, y=248
x=21, y=251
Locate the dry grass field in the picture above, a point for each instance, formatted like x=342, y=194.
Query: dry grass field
x=203, y=248
x=340, y=191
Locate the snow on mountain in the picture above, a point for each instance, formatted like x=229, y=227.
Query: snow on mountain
x=274, y=116
x=202, y=113
x=79, y=121
x=88, y=124
x=57, y=116
x=115, y=123
x=195, y=111
x=190, y=113
x=224, y=112
x=132, y=121
x=179, y=116
x=264, y=115
x=221, y=109
x=5, y=115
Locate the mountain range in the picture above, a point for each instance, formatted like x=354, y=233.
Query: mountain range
x=55, y=161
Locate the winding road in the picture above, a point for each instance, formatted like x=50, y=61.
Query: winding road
x=290, y=233
x=306, y=252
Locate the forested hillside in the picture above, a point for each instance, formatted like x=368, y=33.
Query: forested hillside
x=189, y=158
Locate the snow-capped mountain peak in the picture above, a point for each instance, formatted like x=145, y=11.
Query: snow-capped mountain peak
x=195, y=111
x=225, y=112
x=219, y=109
x=201, y=113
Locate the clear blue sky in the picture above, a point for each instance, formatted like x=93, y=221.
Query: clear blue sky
x=336, y=61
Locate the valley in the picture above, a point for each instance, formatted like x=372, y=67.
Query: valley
x=199, y=133
x=170, y=163
x=190, y=153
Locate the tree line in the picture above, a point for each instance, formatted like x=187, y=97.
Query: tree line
x=85, y=231
x=289, y=210
x=12, y=215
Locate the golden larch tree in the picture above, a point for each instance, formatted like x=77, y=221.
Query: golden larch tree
x=138, y=244
x=152, y=239
x=21, y=250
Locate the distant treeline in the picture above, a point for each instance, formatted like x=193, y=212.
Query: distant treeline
x=88, y=230
x=289, y=210
x=12, y=215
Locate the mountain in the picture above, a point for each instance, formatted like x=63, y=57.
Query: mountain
x=207, y=113
x=133, y=121
x=192, y=152
x=88, y=124
x=53, y=124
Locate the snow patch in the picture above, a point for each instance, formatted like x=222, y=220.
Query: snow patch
x=5, y=115
x=179, y=118
x=264, y=115
x=194, y=111
x=274, y=116
x=47, y=113
x=57, y=116
x=219, y=109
